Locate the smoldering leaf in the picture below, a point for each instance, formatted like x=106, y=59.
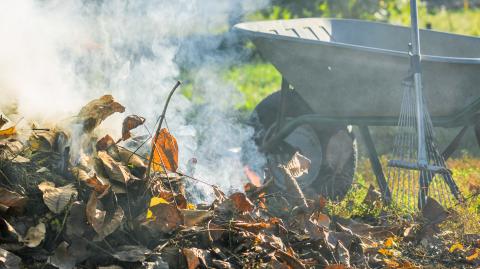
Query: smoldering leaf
x=165, y=152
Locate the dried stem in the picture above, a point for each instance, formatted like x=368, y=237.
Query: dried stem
x=157, y=132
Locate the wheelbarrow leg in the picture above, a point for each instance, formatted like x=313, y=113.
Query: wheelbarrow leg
x=376, y=165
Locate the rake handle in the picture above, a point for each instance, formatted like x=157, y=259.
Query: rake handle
x=417, y=79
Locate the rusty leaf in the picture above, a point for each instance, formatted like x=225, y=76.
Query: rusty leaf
x=104, y=143
x=96, y=111
x=165, y=150
x=291, y=261
x=241, y=202
x=129, y=123
x=57, y=199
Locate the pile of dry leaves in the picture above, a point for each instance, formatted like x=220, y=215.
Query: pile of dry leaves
x=107, y=210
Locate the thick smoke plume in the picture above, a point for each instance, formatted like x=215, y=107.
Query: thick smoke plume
x=57, y=55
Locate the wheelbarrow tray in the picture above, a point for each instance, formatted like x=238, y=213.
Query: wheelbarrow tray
x=352, y=68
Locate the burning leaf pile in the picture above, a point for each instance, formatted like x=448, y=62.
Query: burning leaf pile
x=107, y=210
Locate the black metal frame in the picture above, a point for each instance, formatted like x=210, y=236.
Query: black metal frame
x=466, y=118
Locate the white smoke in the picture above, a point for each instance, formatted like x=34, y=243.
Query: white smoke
x=57, y=55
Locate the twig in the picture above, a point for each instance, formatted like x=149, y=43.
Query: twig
x=162, y=117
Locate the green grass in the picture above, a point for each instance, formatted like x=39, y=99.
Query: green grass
x=255, y=81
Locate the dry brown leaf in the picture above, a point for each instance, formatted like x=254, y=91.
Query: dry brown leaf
x=194, y=257
x=167, y=217
x=321, y=219
x=56, y=199
x=97, y=218
x=115, y=170
x=9, y=260
x=104, y=143
x=241, y=202
x=252, y=176
x=96, y=111
x=194, y=217
x=129, y=123
x=165, y=152
x=35, y=235
x=13, y=200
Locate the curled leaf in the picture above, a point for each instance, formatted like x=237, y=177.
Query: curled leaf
x=456, y=246
x=57, y=199
x=96, y=111
x=165, y=152
x=129, y=123
x=115, y=170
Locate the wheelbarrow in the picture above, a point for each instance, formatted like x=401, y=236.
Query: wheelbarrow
x=338, y=73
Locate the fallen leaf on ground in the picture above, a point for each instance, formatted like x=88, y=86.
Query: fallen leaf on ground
x=96, y=111
x=129, y=123
x=97, y=217
x=115, y=170
x=456, y=246
x=13, y=200
x=35, y=235
x=342, y=254
x=76, y=224
x=474, y=255
x=57, y=199
x=167, y=217
x=104, y=143
x=241, y=202
x=389, y=242
x=290, y=260
x=385, y=252
x=9, y=260
x=165, y=152
x=252, y=176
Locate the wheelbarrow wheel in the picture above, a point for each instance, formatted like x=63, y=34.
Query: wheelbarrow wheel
x=331, y=150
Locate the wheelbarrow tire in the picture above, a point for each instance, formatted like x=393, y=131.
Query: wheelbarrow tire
x=336, y=144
